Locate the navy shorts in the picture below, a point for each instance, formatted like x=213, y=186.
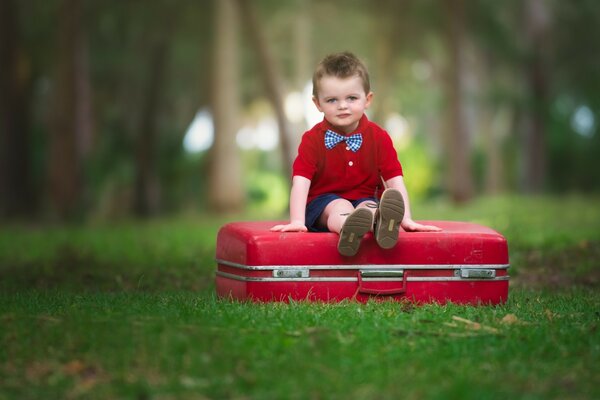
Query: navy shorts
x=315, y=208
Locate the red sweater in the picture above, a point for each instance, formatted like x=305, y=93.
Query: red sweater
x=340, y=170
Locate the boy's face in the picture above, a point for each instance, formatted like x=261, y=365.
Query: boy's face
x=343, y=101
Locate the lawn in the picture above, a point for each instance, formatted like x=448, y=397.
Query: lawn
x=128, y=311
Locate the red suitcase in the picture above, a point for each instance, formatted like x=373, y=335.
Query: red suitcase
x=465, y=263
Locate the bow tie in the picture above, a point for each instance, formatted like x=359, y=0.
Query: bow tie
x=332, y=139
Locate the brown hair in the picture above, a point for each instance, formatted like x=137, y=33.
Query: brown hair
x=341, y=65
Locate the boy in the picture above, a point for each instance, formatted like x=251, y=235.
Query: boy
x=342, y=162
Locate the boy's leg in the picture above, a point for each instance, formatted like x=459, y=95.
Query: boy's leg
x=389, y=217
x=351, y=224
x=369, y=205
x=335, y=213
x=355, y=226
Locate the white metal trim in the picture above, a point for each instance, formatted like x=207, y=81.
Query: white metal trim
x=353, y=279
x=364, y=266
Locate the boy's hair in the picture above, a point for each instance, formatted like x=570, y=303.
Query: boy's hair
x=341, y=65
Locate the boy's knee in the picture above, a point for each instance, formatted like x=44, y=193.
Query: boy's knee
x=340, y=206
x=369, y=205
x=334, y=214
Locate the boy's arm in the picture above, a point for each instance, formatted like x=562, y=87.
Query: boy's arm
x=298, y=196
x=408, y=224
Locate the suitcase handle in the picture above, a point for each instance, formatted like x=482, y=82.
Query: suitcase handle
x=384, y=292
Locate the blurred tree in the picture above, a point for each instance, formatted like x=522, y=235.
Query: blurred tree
x=494, y=58
x=390, y=26
x=226, y=190
x=147, y=195
x=71, y=118
x=16, y=191
x=537, y=26
x=459, y=181
x=145, y=67
x=302, y=59
x=271, y=78
x=531, y=85
x=302, y=65
x=573, y=162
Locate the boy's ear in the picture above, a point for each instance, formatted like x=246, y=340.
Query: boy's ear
x=316, y=101
x=369, y=99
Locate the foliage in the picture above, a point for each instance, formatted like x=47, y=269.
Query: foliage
x=418, y=171
x=121, y=36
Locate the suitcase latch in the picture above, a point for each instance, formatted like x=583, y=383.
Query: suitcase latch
x=382, y=273
x=291, y=273
x=473, y=273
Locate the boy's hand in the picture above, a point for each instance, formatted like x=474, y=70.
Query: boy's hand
x=411, y=226
x=293, y=226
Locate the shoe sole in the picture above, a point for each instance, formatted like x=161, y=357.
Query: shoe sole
x=391, y=212
x=355, y=227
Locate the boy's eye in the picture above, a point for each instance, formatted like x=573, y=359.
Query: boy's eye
x=330, y=100
x=352, y=98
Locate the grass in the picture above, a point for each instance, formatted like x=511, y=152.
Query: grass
x=128, y=311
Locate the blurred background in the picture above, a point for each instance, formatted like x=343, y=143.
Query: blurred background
x=112, y=109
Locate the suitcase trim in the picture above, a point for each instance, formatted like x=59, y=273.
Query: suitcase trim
x=364, y=266
x=353, y=279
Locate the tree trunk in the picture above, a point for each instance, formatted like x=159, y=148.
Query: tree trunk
x=494, y=125
x=385, y=64
x=16, y=188
x=302, y=73
x=302, y=61
x=226, y=191
x=271, y=78
x=389, y=16
x=459, y=179
x=147, y=185
x=534, y=155
x=71, y=131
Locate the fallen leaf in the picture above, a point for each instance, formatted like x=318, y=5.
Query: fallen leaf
x=510, y=319
x=468, y=322
x=475, y=325
x=74, y=367
x=80, y=369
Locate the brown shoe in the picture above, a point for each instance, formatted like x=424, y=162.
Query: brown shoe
x=356, y=225
x=389, y=217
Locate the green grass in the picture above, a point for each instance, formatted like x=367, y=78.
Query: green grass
x=182, y=344
x=128, y=311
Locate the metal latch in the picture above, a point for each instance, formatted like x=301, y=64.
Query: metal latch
x=382, y=273
x=291, y=273
x=472, y=273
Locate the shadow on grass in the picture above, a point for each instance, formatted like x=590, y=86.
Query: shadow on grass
x=75, y=269
x=558, y=269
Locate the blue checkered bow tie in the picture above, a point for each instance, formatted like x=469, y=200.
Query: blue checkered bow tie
x=353, y=141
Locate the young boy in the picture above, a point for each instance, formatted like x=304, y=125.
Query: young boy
x=342, y=162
